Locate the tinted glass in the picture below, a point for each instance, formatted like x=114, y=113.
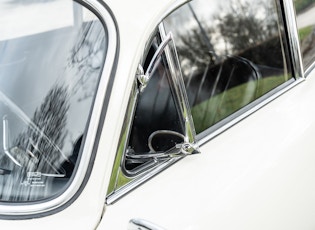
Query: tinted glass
x=305, y=10
x=52, y=53
x=231, y=53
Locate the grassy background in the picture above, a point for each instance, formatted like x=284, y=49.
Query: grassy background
x=209, y=112
x=305, y=32
x=301, y=5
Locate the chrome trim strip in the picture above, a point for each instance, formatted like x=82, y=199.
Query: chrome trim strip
x=180, y=90
x=294, y=43
x=73, y=188
x=309, y=69
x=140, y=224
x=112, y=198
x=265, y=100
x=118, y=162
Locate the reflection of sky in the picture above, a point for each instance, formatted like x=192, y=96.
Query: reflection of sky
x=34, y=17
x=306, y=18
x=30, y=63
x=207, y=11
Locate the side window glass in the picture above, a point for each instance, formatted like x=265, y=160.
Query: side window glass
x=305, y=11
x=50, y=65
x=231, y=53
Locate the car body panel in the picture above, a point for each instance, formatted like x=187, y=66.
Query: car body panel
x=251, y=176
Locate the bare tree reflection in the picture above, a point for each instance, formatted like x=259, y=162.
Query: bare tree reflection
x=237, y=27
x=87, y=57
x=243, y=24
x=38, y=151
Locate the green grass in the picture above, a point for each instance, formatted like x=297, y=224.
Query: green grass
x=305, y=32
x=209, y=112
x=301, y=5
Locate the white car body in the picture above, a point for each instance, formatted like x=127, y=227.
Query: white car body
x=257, y=174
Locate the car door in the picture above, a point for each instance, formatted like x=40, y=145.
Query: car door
x=241, y=68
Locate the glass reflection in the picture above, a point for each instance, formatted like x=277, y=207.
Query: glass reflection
x=49, y=71
x=231, y=52
x=157, y=125
x=305, y=10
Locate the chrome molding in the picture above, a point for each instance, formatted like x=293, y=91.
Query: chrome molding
x=209, y=134
x=140, y=224
x=180, y=90
x=293, y=37
x=28, y=210
x=117, y=170
x=117, y=194
x=309, y=69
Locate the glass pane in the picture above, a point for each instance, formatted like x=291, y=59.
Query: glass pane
x=157, y=124
x=231, y=52
x=50, y=64
x=305, y=10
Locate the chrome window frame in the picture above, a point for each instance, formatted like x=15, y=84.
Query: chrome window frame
x=27, y=210
x=293, y=37
x=296, y=41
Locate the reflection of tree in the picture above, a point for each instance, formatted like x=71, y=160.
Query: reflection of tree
x=238, y=26
x=194, y=48
x=38, y=151
x=41, y=144
x=243, y=24
x=308, y=45
x=236, y=44
x=87, y=57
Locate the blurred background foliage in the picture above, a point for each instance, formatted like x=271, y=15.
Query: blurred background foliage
x=301, y=5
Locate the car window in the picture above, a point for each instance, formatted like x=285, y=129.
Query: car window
x=231, y=53
x=50, y=66
x=305, y=11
